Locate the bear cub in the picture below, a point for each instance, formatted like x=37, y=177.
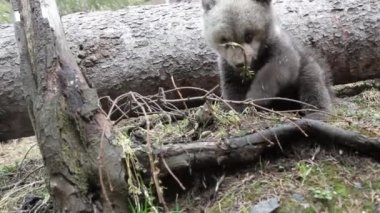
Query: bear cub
x=283, y=68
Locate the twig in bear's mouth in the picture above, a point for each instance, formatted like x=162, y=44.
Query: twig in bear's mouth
x=246, y=73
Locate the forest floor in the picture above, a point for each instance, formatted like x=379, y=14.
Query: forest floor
x=304, y=177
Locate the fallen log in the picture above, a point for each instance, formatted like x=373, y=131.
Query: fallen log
x=355, y=88
x=180, y=157
x=122, y=50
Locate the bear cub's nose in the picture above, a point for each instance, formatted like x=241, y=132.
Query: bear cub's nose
x=240, y=65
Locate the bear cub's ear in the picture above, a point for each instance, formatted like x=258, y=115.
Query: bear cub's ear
x=208, y=4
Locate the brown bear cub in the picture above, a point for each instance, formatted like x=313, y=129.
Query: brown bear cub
x=283, y=68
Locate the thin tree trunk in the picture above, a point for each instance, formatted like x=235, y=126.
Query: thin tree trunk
x=120, y=51
x=64, y=111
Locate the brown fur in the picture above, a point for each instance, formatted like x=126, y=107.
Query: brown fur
x=283, y=67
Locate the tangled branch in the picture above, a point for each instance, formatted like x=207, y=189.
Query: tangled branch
x=167, y=159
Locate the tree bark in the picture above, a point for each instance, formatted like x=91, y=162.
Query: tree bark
x=356, y=88
x=64, y=111
x=122, y=50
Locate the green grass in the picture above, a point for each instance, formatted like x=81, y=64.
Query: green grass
x=5, y=12
x=72, y=6
x=324, y=186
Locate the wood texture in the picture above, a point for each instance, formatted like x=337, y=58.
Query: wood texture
x=64, y=111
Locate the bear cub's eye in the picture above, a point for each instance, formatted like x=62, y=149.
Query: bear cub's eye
x=223, y=40
x=248, y=37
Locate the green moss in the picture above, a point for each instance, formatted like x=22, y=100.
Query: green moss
x=6, y=174
x=376, y=185
x=363, y=110
x=342, y=189
x=74, y=157
x=225, y=118
x=226, y=202
x=8, y=169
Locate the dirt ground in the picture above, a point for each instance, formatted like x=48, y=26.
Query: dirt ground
x=306, y=178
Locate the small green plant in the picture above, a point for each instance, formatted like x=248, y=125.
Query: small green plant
x=145, y=207
x=176, y=209
x=376, y=185
x=225, y=118
x=246, y=73
x=304, y=170
x=245, y=210
x=323, y=194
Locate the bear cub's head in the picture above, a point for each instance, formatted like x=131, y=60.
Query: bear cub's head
x=245, y=22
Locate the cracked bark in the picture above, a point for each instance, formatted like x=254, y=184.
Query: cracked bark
x=64, y=112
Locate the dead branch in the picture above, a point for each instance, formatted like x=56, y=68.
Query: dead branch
x=172, y=158
x=152, y=160
x=209, y=154
x=23, y=159
x=177, y=157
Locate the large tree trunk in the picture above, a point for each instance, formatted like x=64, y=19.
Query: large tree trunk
x=123, y=50
x=64, y=111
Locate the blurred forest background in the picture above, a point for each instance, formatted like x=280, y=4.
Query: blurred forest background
x=72, y=6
